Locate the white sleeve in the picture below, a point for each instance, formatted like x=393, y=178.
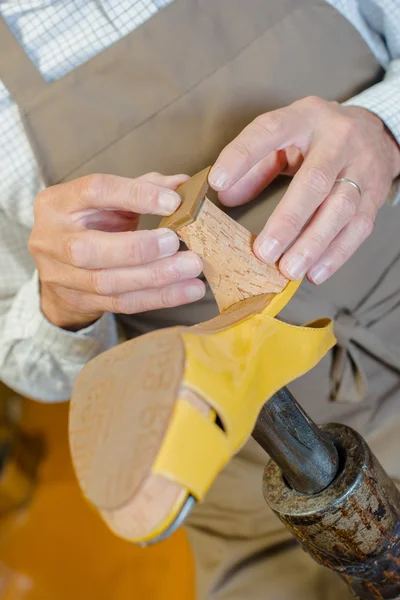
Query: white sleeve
x=383, y=99
x=37, y=359
x=378, y=22
x=40, y=360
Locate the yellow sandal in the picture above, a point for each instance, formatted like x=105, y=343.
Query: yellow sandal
x=154, y=420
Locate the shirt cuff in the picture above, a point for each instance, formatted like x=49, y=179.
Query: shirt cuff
x=75, y=346
x=40, y=360
x=383, y=99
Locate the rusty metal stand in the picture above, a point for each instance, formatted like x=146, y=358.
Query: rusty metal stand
x=331, y=492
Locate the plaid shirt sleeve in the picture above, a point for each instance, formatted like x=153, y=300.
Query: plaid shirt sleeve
x=378, y=21
x=383, y=99
x=38, y=359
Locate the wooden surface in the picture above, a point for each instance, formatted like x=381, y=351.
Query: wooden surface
x=119, y=414
x=58, y=548
x=229, y=264
x=153, y=501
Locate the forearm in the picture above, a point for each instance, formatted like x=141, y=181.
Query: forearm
x=40, y=360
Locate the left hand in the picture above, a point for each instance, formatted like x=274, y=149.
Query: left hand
x=319, y=142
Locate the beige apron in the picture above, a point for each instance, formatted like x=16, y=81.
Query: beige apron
x=167, y=98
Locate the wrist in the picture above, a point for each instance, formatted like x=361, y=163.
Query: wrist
x=392, y=144
x=62, y=316
x=396, y=152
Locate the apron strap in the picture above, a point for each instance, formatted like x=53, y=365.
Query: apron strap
x=17, y=72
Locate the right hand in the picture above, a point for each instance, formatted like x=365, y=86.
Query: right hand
x=91, y=259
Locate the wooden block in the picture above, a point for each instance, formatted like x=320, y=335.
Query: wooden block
x=229, y=263
x=192, y=193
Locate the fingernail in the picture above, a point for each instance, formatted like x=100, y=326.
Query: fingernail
x=188, y=266
x=168, y=242
x=296, y=266
x=218, y=177
x=168, y=202
x=194, y=292
x=319, y=274
x=270, y=250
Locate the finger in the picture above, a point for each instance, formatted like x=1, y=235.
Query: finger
x=268, y=133
x=121, y=193
x=342, y=247
x=255, y=181
x=99, y=250
x=308, y=189
x=112, y=282
x=331, y=217
x=166, y=181
x=175, y=294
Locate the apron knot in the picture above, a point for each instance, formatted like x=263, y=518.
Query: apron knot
x=349, y=382
x=345, y=326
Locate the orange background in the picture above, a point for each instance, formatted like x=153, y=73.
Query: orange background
x=57, y=548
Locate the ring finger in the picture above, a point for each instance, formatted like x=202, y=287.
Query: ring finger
x=308, y=190
x=332, y=216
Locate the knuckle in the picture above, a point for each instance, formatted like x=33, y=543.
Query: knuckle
x=342, y=250
x=157, y=275
x=138, y=250
x=365, y=224
x=43, y=203
x=243, y=150
x=291, y=219
x=100, y=282
x=119, y=305
x=34, y=244
x=377, y=193
x=47, y=277
x=344, y=206
x=143, y=195
x=318, y=240
x=43, y=199
x=74, y=251
x=270, y=124
x=166, y=297
x=314, y=103
x=318, y=180
x=131, y=303
x=94, y=186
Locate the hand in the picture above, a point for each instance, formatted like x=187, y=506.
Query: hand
x=320, y=141
x=92, y=260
